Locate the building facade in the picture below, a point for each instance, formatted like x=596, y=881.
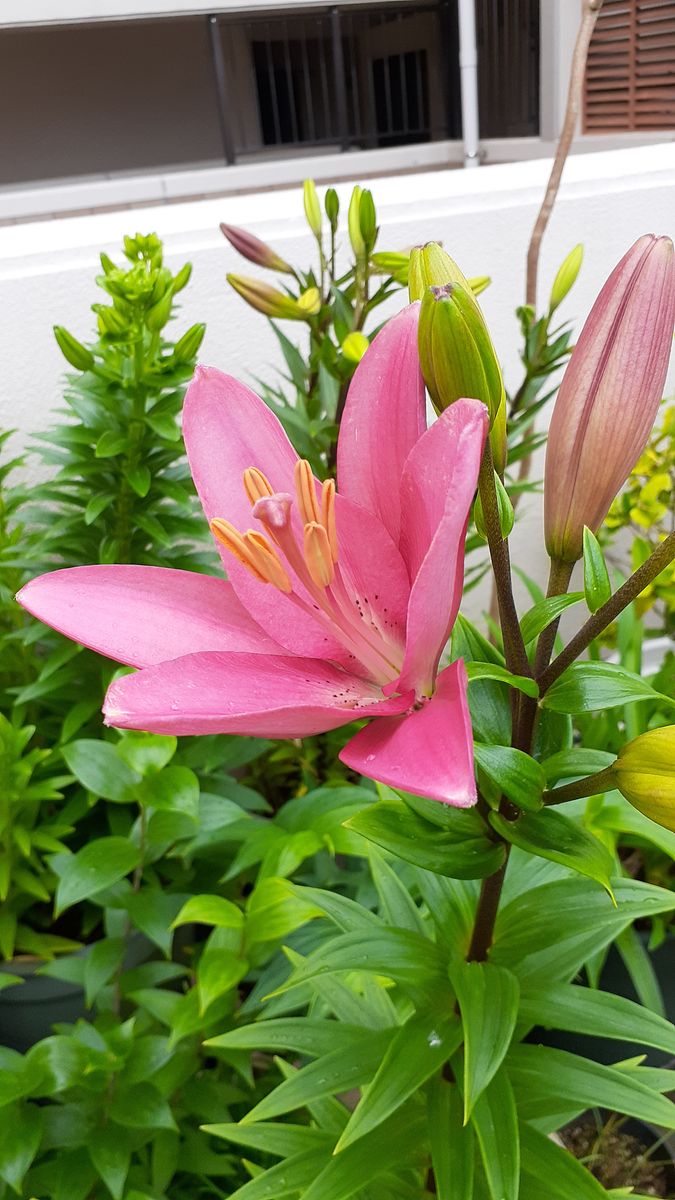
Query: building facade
x=115, y=102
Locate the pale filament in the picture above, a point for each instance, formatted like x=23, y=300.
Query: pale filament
x=315, y=563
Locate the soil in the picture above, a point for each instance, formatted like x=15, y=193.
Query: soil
x=619, y=1159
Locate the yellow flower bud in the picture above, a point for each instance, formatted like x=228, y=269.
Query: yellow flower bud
x=355, y=346
x=312, y=207
x=644, y=773
x=566, y=277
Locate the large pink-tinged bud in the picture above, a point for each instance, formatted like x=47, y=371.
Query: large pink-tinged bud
x=610, y=394
x=251, y=247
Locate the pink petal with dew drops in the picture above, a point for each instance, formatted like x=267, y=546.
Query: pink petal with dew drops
x=272, y=696
x=383, y=418
x=437, y=490
x=143, y=615
x=428, y=751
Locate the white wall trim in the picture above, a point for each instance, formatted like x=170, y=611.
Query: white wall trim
x=23, y=13
x=77, y=196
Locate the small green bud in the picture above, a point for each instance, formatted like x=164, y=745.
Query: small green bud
x=507, y=515
x=566, y=277
x=107, y=263
x=367, y=220
x=331, y=203
x=312, y=207
x=394, y=263
x=162, y=282
x=354, y=223
x=272, y=302
x=182, y=279
x=186, y=347
x=157, y=316
x=110, y=320
x=73, y=351
x=478, y=283
x=354, y=346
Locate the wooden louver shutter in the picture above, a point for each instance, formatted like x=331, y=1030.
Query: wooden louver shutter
x=630, y=76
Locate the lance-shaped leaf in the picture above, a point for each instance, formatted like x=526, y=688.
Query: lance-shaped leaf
x=495, y=1123
x=517, y=775
x=400, y=1140
x=452, y=1142
x=556, y=837
x=549, y=1170
x=337, y=1071
x=488, y=1002
x=416, y=1051
x=588, y=686
x=461, y=852
x=541, y=1074
x=599, y=1014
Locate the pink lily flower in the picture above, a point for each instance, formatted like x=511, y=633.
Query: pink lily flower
x=337, y=606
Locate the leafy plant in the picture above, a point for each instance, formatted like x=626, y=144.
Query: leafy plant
x=121, y=491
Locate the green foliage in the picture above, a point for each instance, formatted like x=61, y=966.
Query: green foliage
x=120, y=489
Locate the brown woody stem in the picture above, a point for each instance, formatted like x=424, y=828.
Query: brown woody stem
x=598, y=622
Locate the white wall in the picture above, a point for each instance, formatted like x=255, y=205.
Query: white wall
x=484, y=218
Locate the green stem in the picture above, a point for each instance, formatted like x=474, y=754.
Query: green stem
x=514, y=646
x=594, y=626
x=592, y=785
x=558, y=583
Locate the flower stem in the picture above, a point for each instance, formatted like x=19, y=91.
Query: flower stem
x=594, y=626
x=514, y=646
x=592, y=785
x=486, y=913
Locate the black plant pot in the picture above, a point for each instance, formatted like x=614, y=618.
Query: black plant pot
x=29, y=1010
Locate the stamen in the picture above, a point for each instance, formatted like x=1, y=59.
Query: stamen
x=328, y=515
x=318, y=555
x=256, y=485
x=267, y=560
x=306, y=493
x=231, y=539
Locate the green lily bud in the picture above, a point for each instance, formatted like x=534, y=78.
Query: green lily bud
x=187, y=346
x=73, y=351
x=478, y=283
x=157, y=316
x=458, y=359
x=394, y=263
x=182, y=279
x=312, y=207
x=110, y=320
x=367, y=219
x=644, y=773
x=107, y=263
x=566, y=277
x=273, y=303
x=310, y=302
x=430, y=266
x=354, y=223
x=331, y=202
x=355, y=346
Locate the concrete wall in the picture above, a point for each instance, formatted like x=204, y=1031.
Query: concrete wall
x=484, y=218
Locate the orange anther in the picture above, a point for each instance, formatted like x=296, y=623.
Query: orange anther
x=328, y=515
x=318, y=557
x=306, y=492
x=256, y=485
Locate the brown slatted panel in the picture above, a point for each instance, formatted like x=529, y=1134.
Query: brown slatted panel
x=630, y=77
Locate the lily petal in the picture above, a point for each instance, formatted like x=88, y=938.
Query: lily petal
x=429, y=751
x=383, y=418
x=143, y=615
x=437, y=488
x=227, y=428
x=268, y=696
